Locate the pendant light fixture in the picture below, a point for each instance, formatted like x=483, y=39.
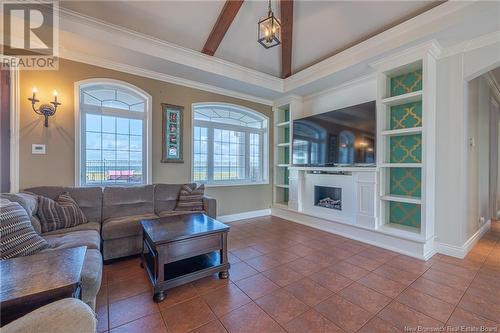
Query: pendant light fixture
x=269, y=30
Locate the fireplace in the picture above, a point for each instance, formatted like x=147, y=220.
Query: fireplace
x=328, y=197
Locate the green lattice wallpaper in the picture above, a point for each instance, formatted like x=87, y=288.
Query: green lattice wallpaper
x=404, y=214
x=406, y=83
x=285, y=195
x=286, y=155
x=406, y=148
x=406, y=115
x=405, y=181
x=286, y=134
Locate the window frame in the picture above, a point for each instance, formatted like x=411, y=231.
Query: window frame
x=80, y=126
x=210, y=125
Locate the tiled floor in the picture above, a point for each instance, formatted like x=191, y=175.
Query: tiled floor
x=288, y=277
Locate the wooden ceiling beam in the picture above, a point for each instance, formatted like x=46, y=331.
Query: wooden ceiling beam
x=286, y=8
x=226, y=17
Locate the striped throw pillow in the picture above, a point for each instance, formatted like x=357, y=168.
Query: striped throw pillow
x=61, y=213
x=190, y=199
x=17, y=236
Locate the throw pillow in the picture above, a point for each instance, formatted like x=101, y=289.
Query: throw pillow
x=17, y=236
x=190, y=198
x=63, y=212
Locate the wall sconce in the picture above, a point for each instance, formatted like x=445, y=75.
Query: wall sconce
x=46, y=110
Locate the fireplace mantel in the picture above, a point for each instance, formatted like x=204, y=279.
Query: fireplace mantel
x=334, y=169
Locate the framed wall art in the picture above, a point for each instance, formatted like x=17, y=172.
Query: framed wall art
x=172, y=133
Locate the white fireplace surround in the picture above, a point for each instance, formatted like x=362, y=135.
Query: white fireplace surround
x=359, y=192
x=359, y=217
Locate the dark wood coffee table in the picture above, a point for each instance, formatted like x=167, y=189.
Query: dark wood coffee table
x=30, y=282
x=181, y=249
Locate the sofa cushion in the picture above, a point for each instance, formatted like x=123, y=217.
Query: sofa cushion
x=127, y=201
x=61, y=213
x=166, y=196
x=35, y=222
x=91, y=276
x=89, y=199
x=119, y=227
x=88, y=238
x=17, y=236
x=95, y=226
x=28, y=201
x=174, y=213
x=191, y=198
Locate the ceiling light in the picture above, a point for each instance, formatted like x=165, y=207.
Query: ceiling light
x=269, y=30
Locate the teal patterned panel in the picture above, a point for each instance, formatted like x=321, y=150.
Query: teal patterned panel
x=406, y=83
x=405, y=181
x=405, y=214
x=406, y=148
x=285, y=195
x=406, y=115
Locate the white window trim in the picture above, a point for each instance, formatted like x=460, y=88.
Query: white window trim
x=265, y=144
x=147, y=118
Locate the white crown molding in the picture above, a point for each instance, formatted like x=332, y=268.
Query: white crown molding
x=91, y=27
x=100, y=62
x=470, y=45
x=388, y=40
x=362, y=79
x=287, y=100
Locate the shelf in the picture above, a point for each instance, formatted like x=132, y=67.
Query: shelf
x=281, y=204
x=282, y=185
x=402, y=198
x=283, y=165
x=283, y=144
x=401, y=165
x=403, y=99
x=402, y=231
x=402, y=131
x=283, y=124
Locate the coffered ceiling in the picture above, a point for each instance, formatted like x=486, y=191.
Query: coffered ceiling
x=320, y=28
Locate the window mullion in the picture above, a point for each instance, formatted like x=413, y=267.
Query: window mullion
x=247, y=155
x=210, y=154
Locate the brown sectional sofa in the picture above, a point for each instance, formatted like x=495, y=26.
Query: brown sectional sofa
x=113, y=215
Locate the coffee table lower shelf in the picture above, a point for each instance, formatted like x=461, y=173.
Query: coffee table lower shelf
x=184, y=271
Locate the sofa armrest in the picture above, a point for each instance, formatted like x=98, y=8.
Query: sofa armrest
x=210, y=206
x=66, y=315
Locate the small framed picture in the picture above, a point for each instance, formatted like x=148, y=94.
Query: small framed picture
x=172, y=133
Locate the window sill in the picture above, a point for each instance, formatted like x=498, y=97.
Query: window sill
x=234, y=184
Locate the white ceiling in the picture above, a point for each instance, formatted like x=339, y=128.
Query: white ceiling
x=320, y=28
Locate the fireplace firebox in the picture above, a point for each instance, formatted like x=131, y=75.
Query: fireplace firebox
x=328, y=197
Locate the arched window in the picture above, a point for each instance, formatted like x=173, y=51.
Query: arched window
x=346, y=147
x=229, y=144
x=113, y=133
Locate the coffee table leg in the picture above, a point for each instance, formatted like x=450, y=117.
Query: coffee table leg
x=223, y=256
x=223, y=275
x=159, y=296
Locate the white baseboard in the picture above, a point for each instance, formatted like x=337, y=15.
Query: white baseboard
x=244, y=215
x=407, y=247
x=461, y=251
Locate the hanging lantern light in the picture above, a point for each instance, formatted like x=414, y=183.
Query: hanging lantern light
x=269, y=30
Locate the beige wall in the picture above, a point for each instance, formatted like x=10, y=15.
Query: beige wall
x=57, y=167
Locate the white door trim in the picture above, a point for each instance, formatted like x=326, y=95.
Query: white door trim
x=14, y=129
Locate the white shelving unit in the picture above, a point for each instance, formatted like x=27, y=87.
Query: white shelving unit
x=406, y=138
x=282, y=145
x=282, y=154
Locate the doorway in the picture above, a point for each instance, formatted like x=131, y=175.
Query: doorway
x=5, y=144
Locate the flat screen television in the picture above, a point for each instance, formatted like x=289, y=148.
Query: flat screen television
x=343, y=137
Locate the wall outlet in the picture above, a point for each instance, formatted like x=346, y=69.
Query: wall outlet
x=481, y=220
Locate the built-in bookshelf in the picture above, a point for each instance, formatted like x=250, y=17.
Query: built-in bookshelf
x=406, y=136
x=282, y=154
